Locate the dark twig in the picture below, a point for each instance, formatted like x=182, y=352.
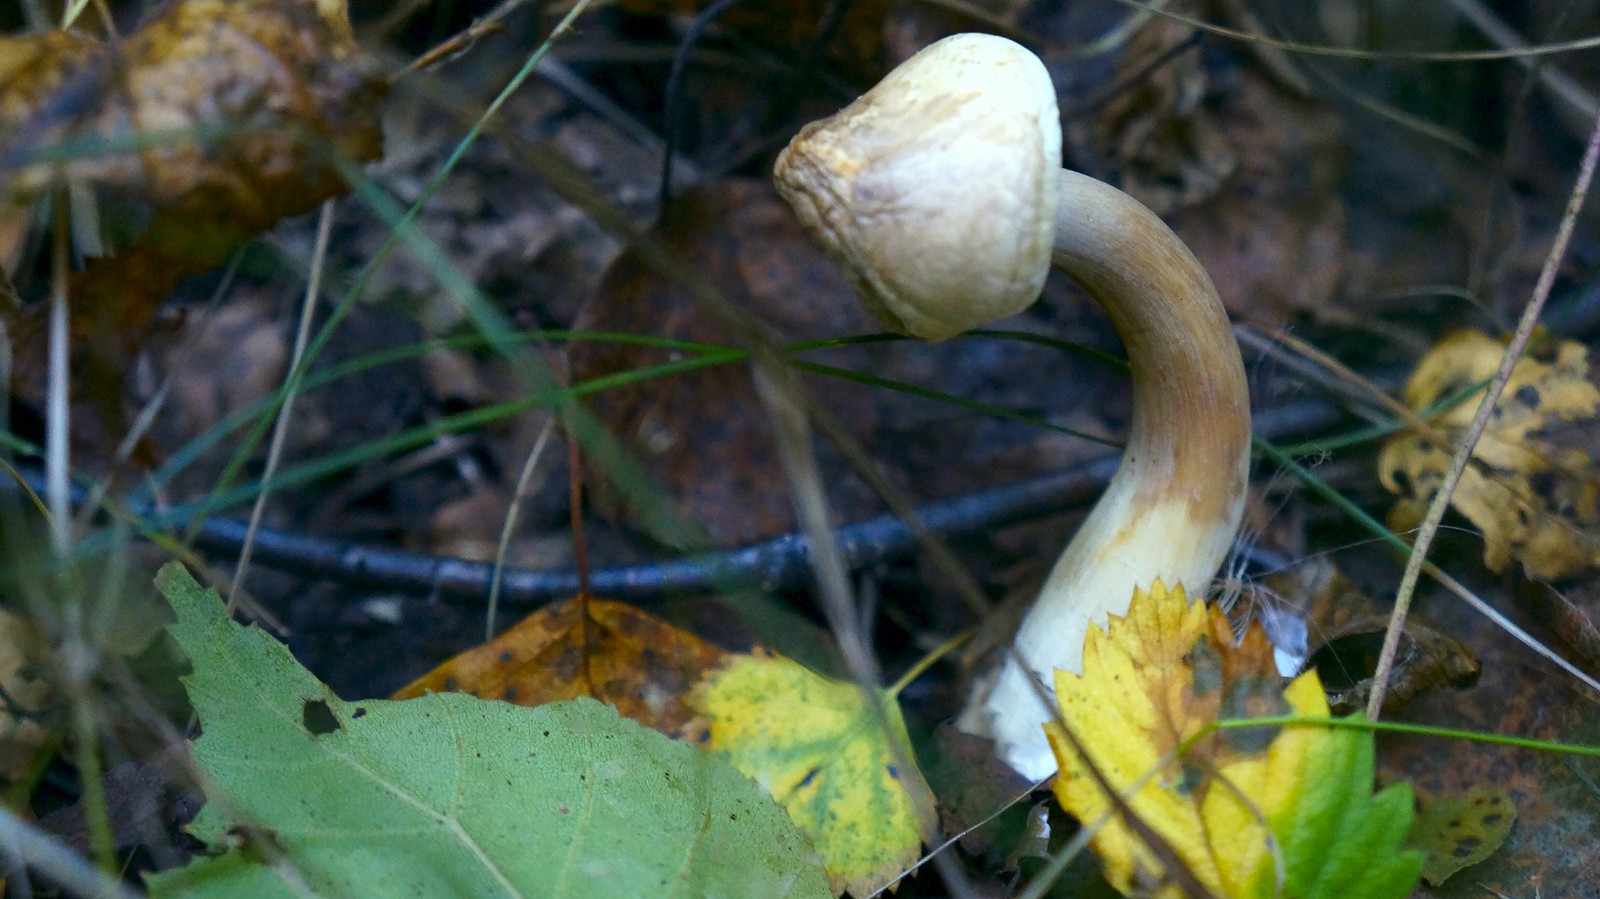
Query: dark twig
x=779, y=563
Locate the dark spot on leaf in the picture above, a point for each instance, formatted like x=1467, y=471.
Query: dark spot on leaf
x=1493, y=819
x=506, y=656
x=1466, y=847
x=564, y=810
x=510, y=694
x=452, y=683
x=810, y=776
x=893, y=771
x=360, y=712
x=1528, y=395
x=318, y=718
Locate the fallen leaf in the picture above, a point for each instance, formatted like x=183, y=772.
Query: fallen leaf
x=1533, y=485
x=705, y=434
x=600, y=648
x=817, y=746
x=447, y=795
x=1343, y=629
x=24, y=699
x=202, y=129
x=1454, y=832
x=1241, y=808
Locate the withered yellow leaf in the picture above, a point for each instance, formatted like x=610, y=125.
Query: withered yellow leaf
x=600, y=648
x=1250, y=812
x=1531, y=487
x=816, y=745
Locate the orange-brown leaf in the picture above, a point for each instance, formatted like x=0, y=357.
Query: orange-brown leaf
x=601, y=648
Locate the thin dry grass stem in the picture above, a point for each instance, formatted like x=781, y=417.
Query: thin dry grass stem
x=1359, y=385
x=58, y=418
x=1458, y=464
x=1273, y=59
x=1409, y=121
x=462, y=41
x=781, y=394
x=573, y=185
x=1306, y=49
x=55, y=861
x=1118, y=35
x=1578, y=100
x=280, y=428
x=509, y=525
x=1499, y=620
x=994, y=22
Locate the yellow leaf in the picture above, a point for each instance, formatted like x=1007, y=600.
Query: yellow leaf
x=1456, y=831
x=1530, y=487
x=817, y=746
x=1150, y=683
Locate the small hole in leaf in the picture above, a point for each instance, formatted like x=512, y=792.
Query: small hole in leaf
x=318, y=718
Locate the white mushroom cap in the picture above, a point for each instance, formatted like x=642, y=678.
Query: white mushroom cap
x=937, y=189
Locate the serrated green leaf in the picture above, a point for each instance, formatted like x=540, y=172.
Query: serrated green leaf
x=1345, y=841
x=449, y=795
x=1290, y=801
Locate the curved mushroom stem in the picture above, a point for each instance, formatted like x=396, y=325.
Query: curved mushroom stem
x=940, y=193
x=1172, y=509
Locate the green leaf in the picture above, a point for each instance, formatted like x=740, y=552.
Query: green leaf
x=1340, y=839
x=449, y=795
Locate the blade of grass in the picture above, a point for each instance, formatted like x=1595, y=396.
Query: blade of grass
x=280, y=431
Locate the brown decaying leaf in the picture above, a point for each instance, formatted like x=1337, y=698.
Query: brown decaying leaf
x=608, y=650
x=1552, y=850
x=234, y=98
x=1346, y=628
x=705, y=435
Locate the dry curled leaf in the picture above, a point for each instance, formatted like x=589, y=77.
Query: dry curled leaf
x=24, y=699
x=202, y=129
x=1533, y=485
x=608, y=650
x=1281, y=810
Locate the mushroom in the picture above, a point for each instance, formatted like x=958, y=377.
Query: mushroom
x=940, y=191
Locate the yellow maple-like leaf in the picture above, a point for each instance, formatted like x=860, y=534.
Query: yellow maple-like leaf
x=818, y=748
x=1150, y=683
x=1531, y=487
